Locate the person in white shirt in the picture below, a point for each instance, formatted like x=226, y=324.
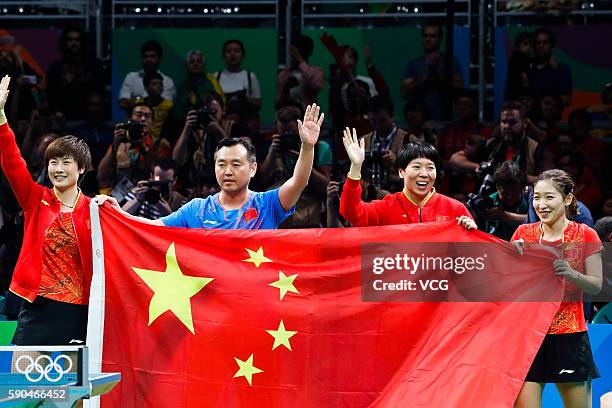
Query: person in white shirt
x=239, y=85
x=133, y=86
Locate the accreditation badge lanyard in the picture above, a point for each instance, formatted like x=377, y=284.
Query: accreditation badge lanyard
x=385, y=142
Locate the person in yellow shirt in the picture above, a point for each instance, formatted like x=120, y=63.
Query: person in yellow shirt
x=154, y=84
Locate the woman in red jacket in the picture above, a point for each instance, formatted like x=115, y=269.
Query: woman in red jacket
x=53, y=272
x=417, y=202
x=565, y=357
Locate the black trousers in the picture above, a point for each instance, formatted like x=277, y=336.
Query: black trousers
x=47, y=322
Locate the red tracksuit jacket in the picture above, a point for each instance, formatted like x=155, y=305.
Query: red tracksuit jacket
x=41, y=207
x=396, y=208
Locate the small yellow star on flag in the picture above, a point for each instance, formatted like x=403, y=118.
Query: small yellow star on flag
x=172, y=290
x=285, y=284
x=281, y=336
x=247, y=369
x=256, y=257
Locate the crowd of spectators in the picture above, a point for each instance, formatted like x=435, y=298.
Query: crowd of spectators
x=162, y=156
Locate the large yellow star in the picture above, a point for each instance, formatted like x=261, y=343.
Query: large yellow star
x=285, y=284
x=172, y=290
x=256, y=257
x=247, y=369
x=281, y=336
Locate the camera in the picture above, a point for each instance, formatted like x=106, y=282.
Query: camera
x=481, y=201
x=134, y=131
x=486, y=169
x=205, y=115
x=289, y=141
x=157, y=189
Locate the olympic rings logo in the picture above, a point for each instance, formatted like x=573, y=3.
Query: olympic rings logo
x=35, y=371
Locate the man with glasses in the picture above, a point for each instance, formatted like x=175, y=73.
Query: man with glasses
x=425, y=77
x=510, y=141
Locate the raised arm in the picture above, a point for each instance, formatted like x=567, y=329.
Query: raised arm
x=180, y=152
x=352, y=208
x=309, y=130
x=13, y=165
x=379, y=80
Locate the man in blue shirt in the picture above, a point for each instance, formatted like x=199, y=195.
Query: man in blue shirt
x=235, y=206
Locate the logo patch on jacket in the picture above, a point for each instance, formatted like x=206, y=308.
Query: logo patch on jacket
x=250, y=214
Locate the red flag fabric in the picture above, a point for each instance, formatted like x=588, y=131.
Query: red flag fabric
x=216, y=318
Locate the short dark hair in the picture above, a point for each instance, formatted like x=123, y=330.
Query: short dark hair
x=288, y=114
x=69, y=146
x=352, y=50
x=548, y=33
x=522, y=37
x=565, y=132
x=603, y=227
x=558, y=104
x=233, y=41
x=152, y=45
x=304, y=44
x=381, y=103
x=72, y=28
x=509, y=106
x=466, y=93
x=165, y=164
x=509, y=173
x=574, y=158
x=414, y=104
x=213, y=96
x=416, y=150
x=150, y=76
x=438, y=26
x=580, y=114
x=142, y=103
x=233, y=141
x=553, y=95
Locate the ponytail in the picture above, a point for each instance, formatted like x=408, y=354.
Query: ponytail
x=571, y=211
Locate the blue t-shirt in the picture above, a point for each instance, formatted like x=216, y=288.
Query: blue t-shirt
x=261, y=211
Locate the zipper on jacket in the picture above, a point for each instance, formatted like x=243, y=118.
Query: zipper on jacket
x=420, y=215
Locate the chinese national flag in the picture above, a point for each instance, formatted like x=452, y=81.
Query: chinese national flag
x=275, y=318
